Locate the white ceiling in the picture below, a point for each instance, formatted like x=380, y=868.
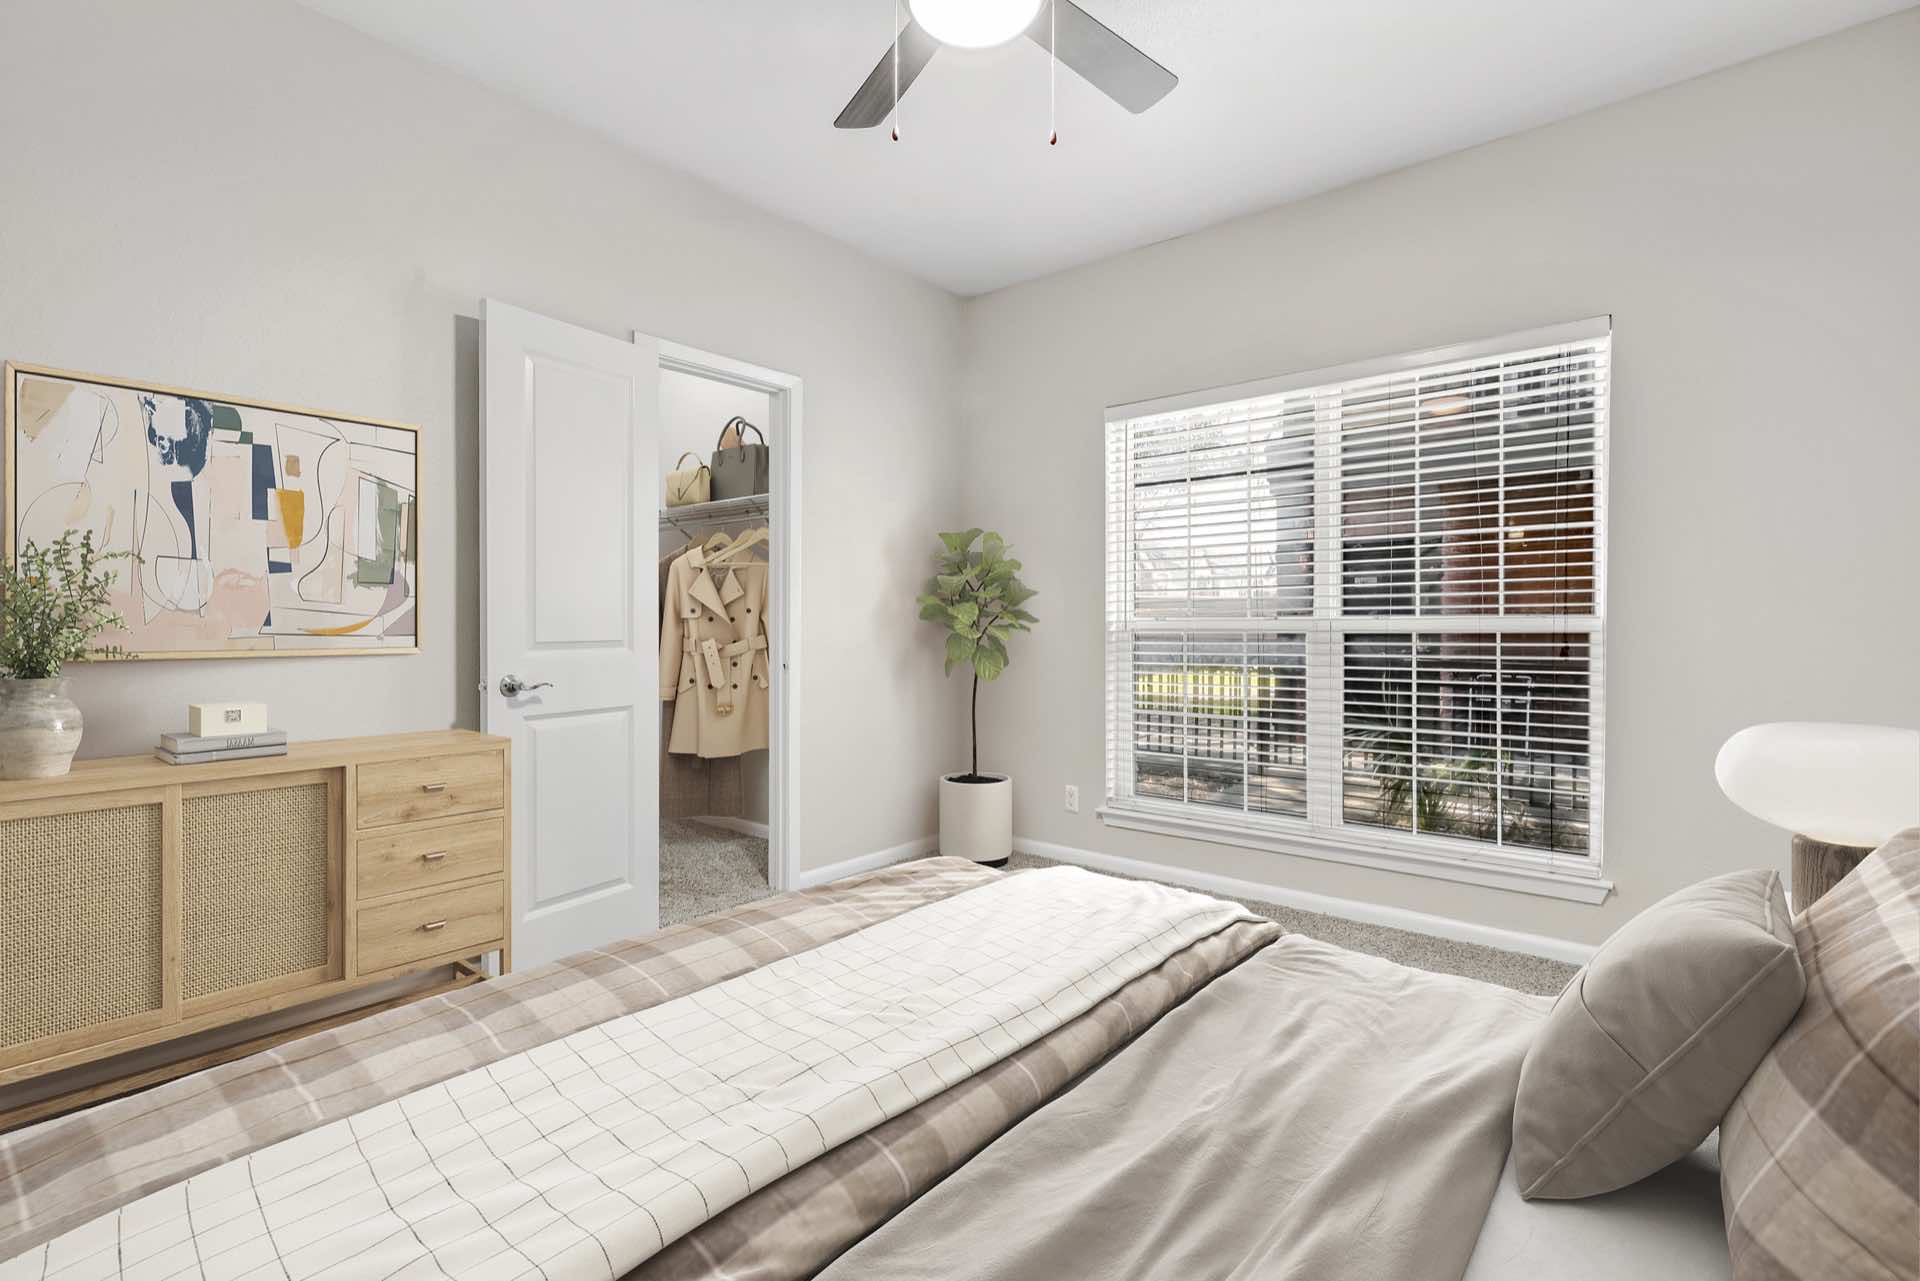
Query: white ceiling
x=1278, y=99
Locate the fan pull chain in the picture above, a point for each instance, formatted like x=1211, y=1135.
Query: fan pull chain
x=896, y=71
x=1053, y=73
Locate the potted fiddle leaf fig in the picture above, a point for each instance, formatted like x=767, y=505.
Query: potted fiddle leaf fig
x=54, y=603
x=977, y=598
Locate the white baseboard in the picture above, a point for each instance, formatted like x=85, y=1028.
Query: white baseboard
x=1398, y=918
x=812, y=876
x=744, y=826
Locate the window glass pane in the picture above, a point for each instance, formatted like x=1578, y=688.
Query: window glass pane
x=1280, y=512
x=1546, y=716
x=1160, y=716
x=1476, y=736
x=1456, y=724
x=1471, y=489
x=1378, y=467
x=1220, y=720
x=1277, y=725
x=1221, y=511
x=1157, y=493
x=1214, y=706
x=1376, y=750
x=1460, y=492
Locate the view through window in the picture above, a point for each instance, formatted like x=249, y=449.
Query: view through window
x=1368, y=606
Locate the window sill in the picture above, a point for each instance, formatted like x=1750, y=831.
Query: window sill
x=1574, y=884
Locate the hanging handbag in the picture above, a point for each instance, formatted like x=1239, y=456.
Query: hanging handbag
x=740, y=469
x=690, y=484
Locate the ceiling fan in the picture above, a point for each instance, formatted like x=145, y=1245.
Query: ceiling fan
x=1086, y=45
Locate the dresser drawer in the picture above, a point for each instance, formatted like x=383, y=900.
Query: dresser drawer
x=445, y=921
x=416, y=858
x=430, y=787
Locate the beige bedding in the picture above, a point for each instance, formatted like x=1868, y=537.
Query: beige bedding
x=61, y=1173
x=1243, y=1134
x=64, y=1172
x=1314, y=1113
x=581, y=1158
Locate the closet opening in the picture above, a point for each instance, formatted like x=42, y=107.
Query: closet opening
x=728, y=538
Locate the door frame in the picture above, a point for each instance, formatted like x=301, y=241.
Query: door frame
x=783, y=390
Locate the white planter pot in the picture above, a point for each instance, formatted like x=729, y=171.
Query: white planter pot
x=39, y=728
x=976, y=819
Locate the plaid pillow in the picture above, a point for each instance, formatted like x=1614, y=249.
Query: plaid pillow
x=1820, y=1153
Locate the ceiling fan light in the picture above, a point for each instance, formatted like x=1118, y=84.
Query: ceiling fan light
x=974, y=24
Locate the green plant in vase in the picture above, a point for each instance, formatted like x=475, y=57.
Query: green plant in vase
x=55, y=601
x=977, y=598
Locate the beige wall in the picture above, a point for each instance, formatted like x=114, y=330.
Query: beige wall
x=242, y=196
x=1753, y=235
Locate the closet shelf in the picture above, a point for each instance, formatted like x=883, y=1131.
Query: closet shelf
x=723, y=511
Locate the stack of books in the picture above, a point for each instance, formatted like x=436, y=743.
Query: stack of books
x=198, y=749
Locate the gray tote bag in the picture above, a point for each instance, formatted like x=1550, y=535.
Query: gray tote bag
x=741, y=469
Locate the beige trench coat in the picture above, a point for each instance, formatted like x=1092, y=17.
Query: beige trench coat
x=713, y=656
x=692, y=786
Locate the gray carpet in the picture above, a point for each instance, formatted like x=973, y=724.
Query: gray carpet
x=706, y=869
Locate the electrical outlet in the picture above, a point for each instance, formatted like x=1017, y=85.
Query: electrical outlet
x=1073, y=799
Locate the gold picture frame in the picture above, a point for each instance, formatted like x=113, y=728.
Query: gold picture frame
x=214, y=486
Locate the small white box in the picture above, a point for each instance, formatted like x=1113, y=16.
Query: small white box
x=211, y=720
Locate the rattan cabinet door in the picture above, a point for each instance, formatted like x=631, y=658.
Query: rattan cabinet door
x=257, y=888
x=80, y=905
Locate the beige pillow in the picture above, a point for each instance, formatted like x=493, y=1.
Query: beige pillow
x=1649, y=1044
x=1820, y=1154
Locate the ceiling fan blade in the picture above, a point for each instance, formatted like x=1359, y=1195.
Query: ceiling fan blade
x=873, y=101
x=1101, y=57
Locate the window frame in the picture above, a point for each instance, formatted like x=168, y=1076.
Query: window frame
x=1324, y=834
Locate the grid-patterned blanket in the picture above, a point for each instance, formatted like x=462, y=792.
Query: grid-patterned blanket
x=66, y=1171
x=588, y=1155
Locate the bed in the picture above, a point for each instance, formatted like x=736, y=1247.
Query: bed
x=930, y=1070
x=1667, y=1225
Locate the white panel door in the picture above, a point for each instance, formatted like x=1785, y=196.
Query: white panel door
x=569, y=621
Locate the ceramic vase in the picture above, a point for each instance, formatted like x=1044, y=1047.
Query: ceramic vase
x=39, y=728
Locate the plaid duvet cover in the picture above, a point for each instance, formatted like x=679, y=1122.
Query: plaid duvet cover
x=74, y=1169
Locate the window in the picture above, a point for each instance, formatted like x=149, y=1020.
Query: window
x=1359, y=612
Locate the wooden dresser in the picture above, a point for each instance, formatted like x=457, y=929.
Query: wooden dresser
x=142, y=902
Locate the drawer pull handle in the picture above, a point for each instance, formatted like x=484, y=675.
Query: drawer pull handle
x=433, y=856
x=430, y=926
x=433, y=787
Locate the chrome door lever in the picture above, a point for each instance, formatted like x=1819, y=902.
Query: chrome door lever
x=512, y=686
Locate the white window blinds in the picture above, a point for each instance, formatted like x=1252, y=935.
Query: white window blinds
x=1366, y=604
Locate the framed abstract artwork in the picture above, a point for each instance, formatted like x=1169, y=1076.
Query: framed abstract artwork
x=256, y=529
